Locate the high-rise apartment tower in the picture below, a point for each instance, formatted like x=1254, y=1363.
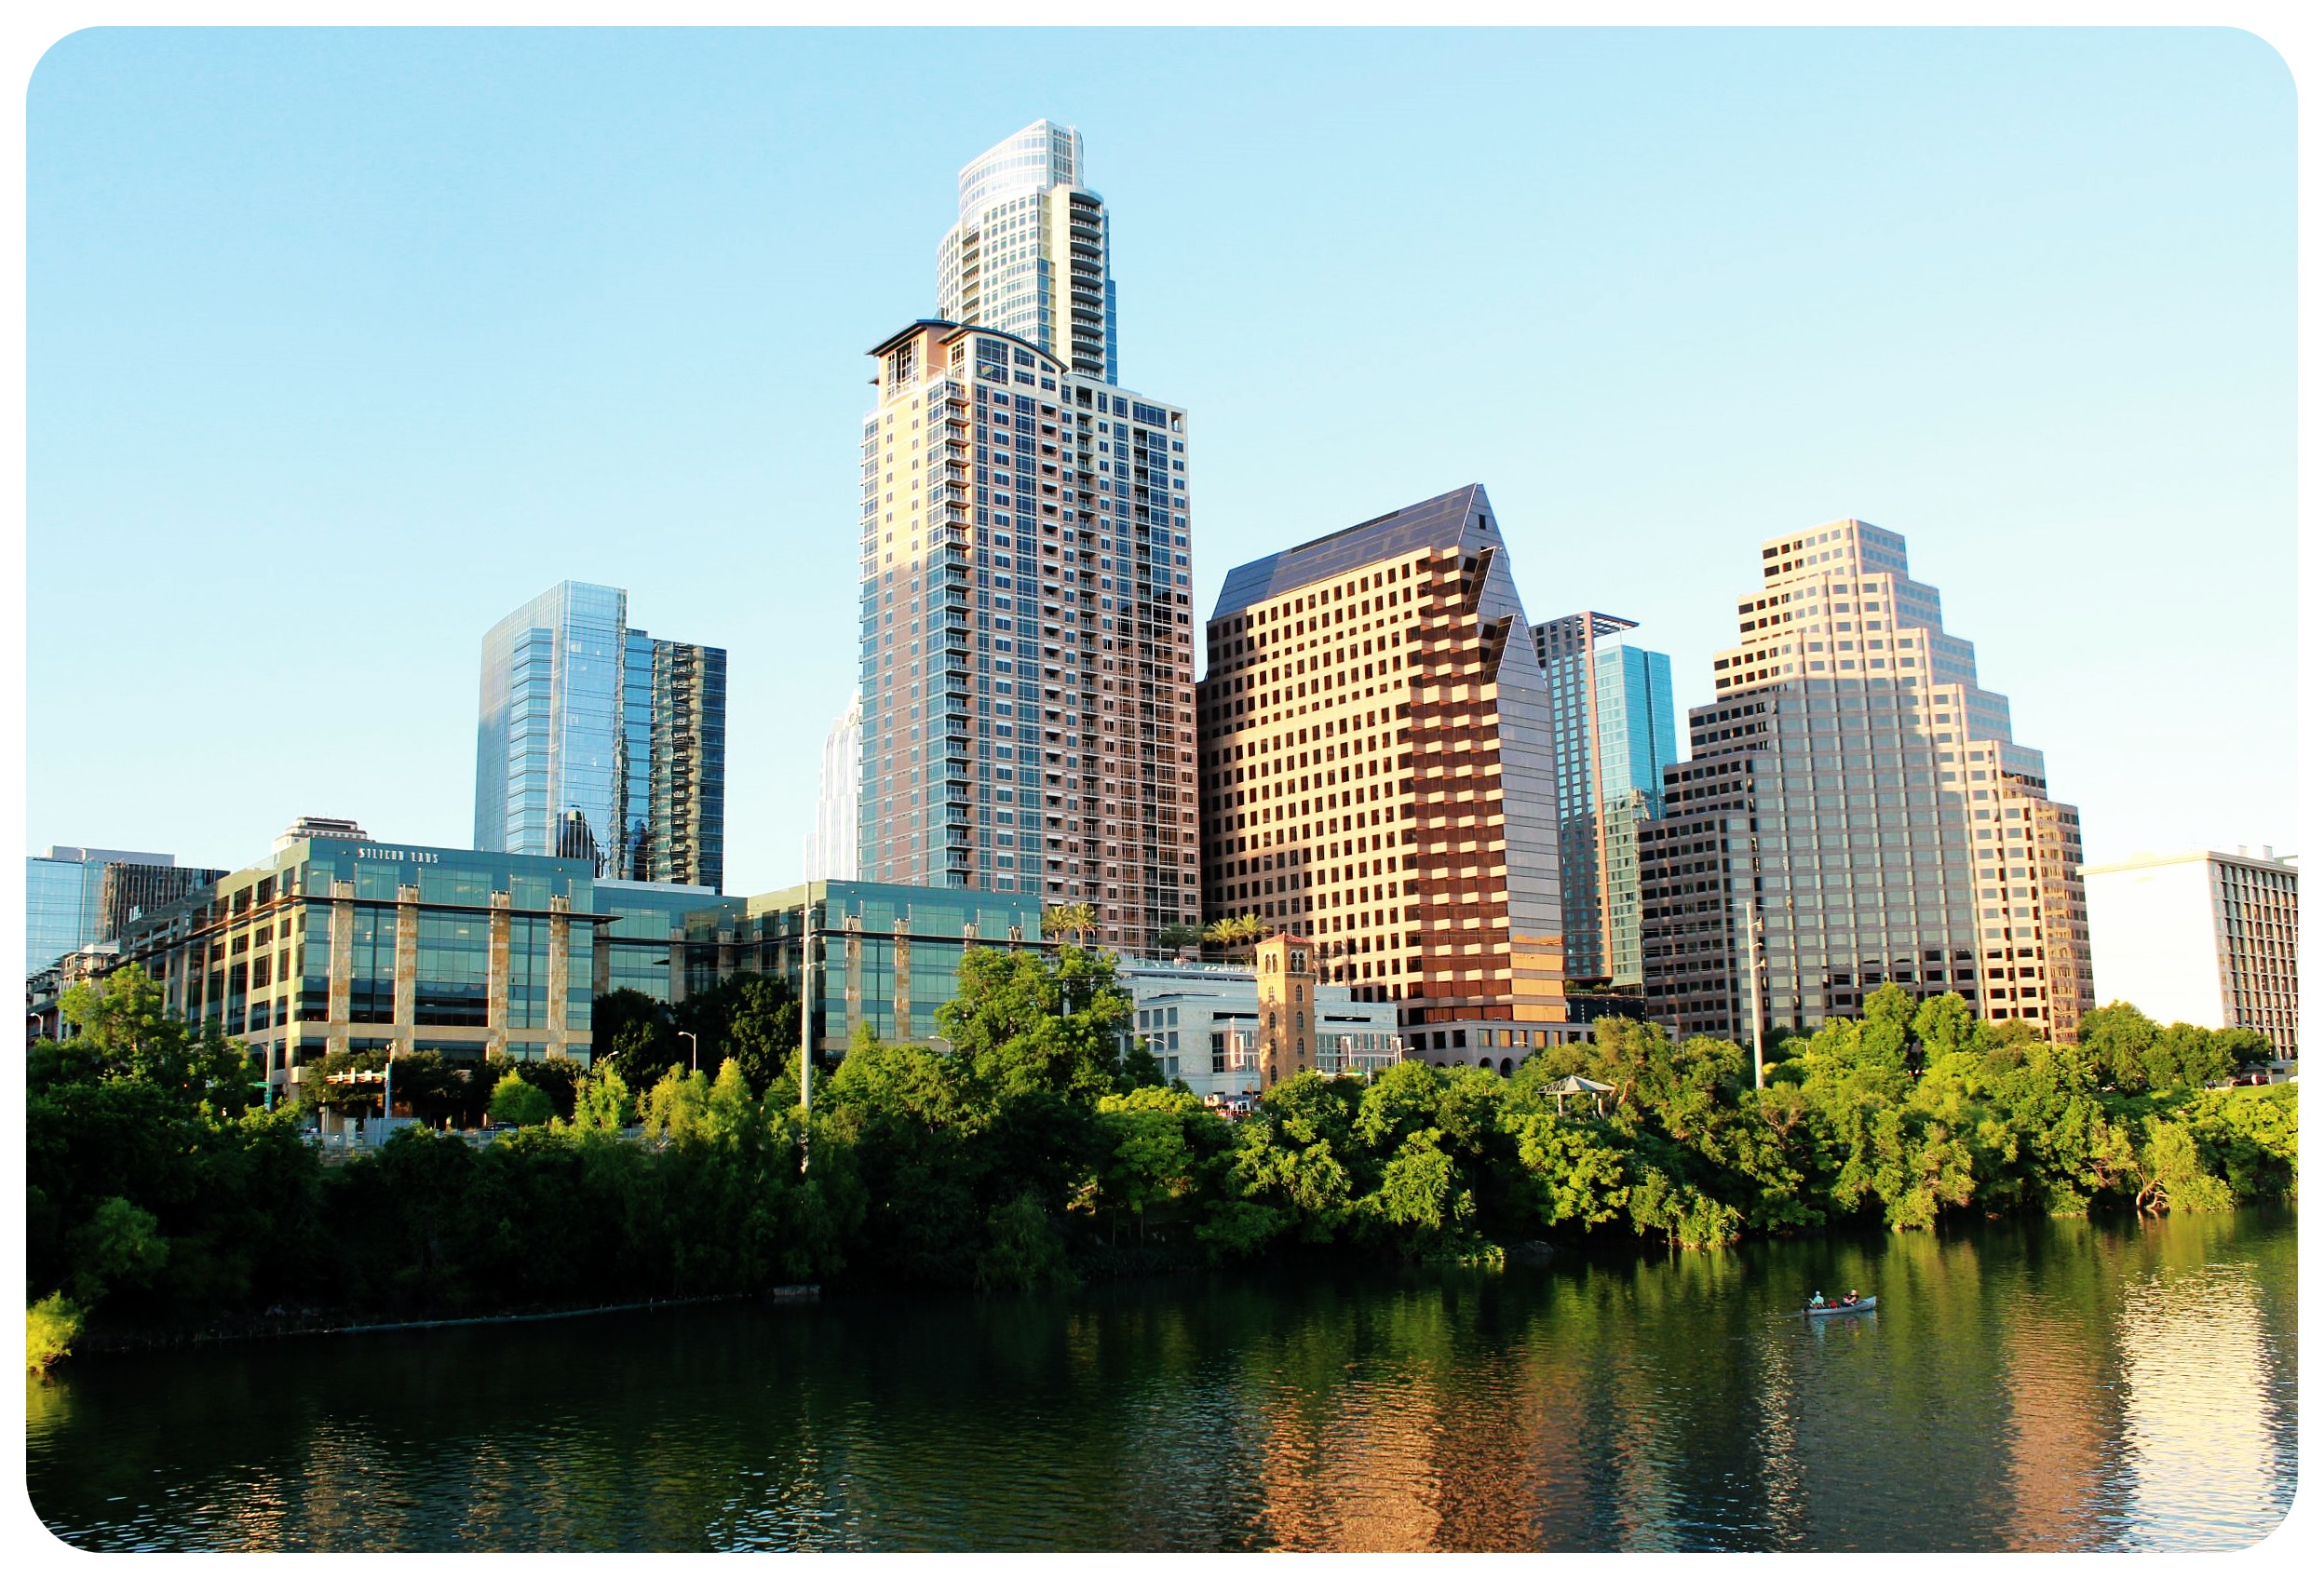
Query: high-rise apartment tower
x=1854, y=793
x=1027, y=683
x=1030, y=252
x=597, y=742
x=1376, y=774
x=1612, y=732
x=1027, y=637
x=2203, y=936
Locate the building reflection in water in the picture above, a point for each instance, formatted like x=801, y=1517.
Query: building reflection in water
x=2198, y=1446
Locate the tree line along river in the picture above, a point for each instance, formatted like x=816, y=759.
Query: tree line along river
x=2039, y=1384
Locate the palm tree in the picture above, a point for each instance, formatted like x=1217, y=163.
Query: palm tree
x=1079, y=919
x=1234, y=932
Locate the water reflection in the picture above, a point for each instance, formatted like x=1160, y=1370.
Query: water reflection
x=2028, y=1386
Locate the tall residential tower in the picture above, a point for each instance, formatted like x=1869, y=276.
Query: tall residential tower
x=1856, y=794
x=1027, y=642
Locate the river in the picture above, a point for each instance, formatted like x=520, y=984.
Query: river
x=2031, y=1385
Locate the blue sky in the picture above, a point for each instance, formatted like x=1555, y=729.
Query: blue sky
x=342, y=344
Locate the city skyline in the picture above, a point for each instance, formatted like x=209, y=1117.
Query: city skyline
x=2076, y=672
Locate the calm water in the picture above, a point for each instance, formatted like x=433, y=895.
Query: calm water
x=2046, y=1385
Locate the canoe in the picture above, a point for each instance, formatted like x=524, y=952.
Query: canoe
x=1867, y=1303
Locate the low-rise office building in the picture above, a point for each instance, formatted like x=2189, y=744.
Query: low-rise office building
x=2202, y=937
x=1204, y=1025
x=332, y=945
x=881, y=955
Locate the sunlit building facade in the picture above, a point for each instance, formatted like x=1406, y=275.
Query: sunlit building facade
x=1376, y=774
x=335, y=945
x=1030, y=253
x=2201, y=937
x=1856, y=795
x=1027, y=642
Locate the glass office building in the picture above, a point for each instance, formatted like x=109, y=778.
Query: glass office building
x=1856, y=813
x=1612, y=732
x=884, y=955
x=599, y=743
x=76, y=897
x=335, y=945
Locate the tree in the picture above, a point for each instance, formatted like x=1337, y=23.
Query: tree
x=750, y=1018
x=50, y=1327
x=1075, y=921
x=1150, y=1159
x=1235, y=934
x=634, y=1033
x=519, y=1101
x=124, y=1032
x=1178, y=934
x=1026, y=1021
x=2117, y=1038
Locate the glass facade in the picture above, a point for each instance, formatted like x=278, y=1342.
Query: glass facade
x=1029, y=255
x=1027, y=660
x=75, y=896
x=1612, y=732
x=596, y=742
x=1854, y=805
x=334, y=944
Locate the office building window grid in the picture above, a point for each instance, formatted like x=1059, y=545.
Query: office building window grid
x=1857, y=797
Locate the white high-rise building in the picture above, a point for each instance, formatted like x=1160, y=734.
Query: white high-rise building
x=831, y=847
x=1030, y=252
x=2202, y=937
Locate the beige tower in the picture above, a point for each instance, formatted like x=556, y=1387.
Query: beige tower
x=1027, y=657
x=1858, y=796
x=1287, y=1009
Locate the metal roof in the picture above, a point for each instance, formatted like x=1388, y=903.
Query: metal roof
x=1462, y=515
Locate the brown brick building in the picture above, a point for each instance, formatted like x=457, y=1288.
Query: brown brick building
x=1375, y=775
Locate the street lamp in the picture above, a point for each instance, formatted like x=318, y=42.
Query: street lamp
x=693, y=1049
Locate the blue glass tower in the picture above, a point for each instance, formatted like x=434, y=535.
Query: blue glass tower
x=1612, y=732
x=570, y=735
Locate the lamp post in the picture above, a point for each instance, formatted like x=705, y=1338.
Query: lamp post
x=1759, y=1027
x=693, y=1049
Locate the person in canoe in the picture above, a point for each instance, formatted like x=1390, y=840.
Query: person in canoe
x=1851, y=1298
x=1817, y=1302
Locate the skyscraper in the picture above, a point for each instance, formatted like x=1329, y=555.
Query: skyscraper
x=597, y=742
x=1030, y=252
x=1027, y=678
x=75, y=896
x=1027, y=640
x=1376, y=773
x=1855, y=791
x=1612, y=733
x=831, y=852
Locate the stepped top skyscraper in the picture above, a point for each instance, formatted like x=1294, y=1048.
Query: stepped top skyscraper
x=1857, y=795
x=597, y=741
x=1030, y=252
x=1027, y=642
